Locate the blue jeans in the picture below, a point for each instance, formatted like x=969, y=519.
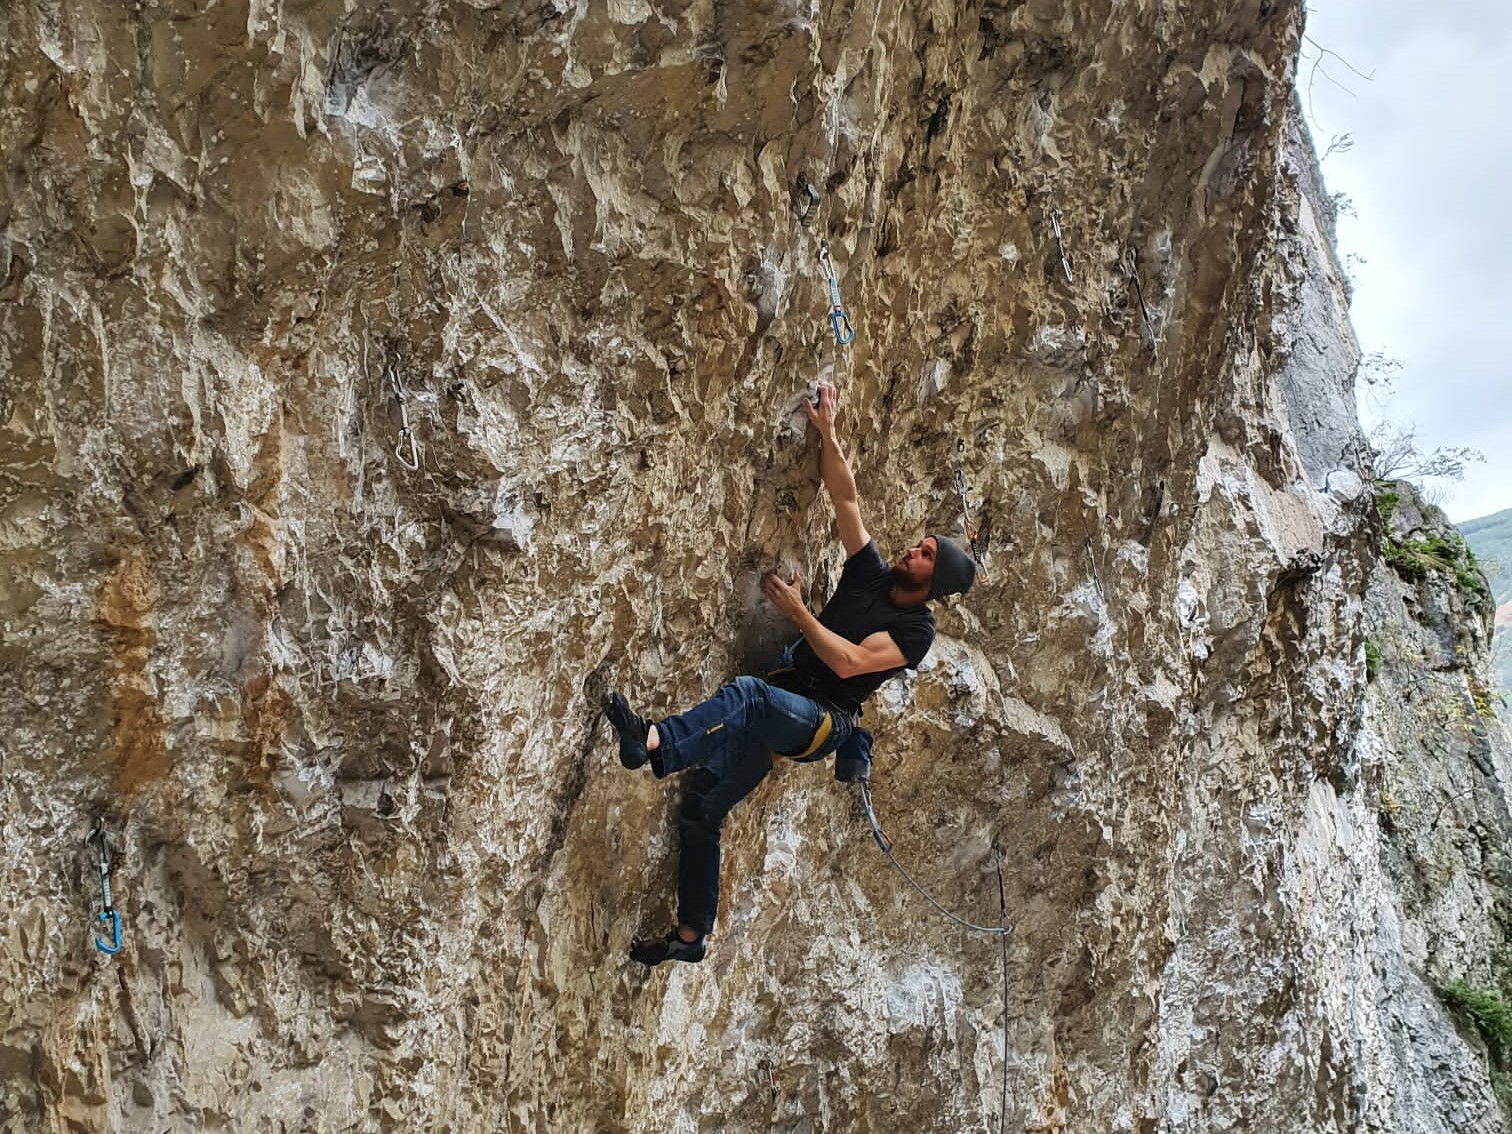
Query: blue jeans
x=728, y=740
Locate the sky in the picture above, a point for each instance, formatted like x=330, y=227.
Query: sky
x=1427, y=238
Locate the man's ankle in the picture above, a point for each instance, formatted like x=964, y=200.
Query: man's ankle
x=686, y=935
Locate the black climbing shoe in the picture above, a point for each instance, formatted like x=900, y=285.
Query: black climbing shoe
x=668, y=948
x=631, y=728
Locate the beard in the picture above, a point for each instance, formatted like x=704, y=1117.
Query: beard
x=901, y=578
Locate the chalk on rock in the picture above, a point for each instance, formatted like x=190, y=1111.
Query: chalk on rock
x=932, y=378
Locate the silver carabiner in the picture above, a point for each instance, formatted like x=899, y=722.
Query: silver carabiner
x=1060, y=244
x=405, y=433
x=1130, y=262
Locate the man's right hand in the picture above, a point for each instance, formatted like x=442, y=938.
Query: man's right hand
x=822, y=415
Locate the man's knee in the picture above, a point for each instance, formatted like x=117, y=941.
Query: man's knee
x=694, y=812
x=695, y=824
x=751, y=689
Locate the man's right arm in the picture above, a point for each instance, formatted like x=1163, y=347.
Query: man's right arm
x=835, y=471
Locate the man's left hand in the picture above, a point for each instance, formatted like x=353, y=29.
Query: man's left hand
x=786, y=597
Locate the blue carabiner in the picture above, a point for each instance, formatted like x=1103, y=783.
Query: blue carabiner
x=839, y=322
x=844, y=333
x=115, y=933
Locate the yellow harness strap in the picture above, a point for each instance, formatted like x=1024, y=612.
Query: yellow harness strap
x=821, y=734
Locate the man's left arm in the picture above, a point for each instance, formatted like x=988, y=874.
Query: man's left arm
x=873, y=654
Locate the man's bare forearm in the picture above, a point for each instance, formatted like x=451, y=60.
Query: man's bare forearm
x=835, y=471
x=834, y=651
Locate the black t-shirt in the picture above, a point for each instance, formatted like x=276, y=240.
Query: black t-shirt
x=858, y=609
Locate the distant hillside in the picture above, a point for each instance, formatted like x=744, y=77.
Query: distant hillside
x=1490, y=537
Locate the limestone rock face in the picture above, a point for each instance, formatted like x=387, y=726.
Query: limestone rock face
x=384, y=382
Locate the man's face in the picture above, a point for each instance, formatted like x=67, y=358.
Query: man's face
x=915, y=567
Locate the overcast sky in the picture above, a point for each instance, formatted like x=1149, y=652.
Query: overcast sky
x=1430, y=242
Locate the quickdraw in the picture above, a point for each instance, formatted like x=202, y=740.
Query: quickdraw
x=1060, y=243
x=108, y=915
x=808, y=197
x=405, y=432
x=1096, y=575
x=1130, y=264
x=839, y=321
x=978, y=552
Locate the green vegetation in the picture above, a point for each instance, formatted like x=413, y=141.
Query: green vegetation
x=1413, y=559
x=1372, y=659
x=1486, y=1009
x=1488, y=1012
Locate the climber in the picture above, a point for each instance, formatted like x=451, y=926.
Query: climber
x=876, y=624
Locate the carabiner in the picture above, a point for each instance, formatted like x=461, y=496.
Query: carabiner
x=978, y=556
x=1130, y=264
x=840, y=323
x=108, y=915
x=413, y=464
x=114, y=920
x=405, y=433
x=810, y=198
x=1060, y=244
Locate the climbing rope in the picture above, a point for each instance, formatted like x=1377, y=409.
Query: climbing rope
x=1000, y=931
x=108, y=915
x=1003, y=942
x=886, y=846
x=808, y=205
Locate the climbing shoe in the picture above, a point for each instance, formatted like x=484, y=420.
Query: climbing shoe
x=669, y=948
x=631, y=728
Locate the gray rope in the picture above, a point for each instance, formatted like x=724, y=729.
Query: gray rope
x=1003, y=941
x=1001, y=931
x=886, y=846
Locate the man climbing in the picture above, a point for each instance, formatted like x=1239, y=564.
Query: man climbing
x=876, y=624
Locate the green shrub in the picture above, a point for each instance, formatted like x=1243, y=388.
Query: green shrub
x=1413, y=559
x=1386, y=501
x=1487, y=1010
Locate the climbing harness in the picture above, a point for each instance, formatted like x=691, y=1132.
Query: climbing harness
x=839, y=321
x=1060, y=243
x=405, y=432
x=886, y=845
x=1131, y=269
x=108, y=915
x=978, y=553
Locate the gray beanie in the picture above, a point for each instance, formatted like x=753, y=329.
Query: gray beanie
x=954, y=570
